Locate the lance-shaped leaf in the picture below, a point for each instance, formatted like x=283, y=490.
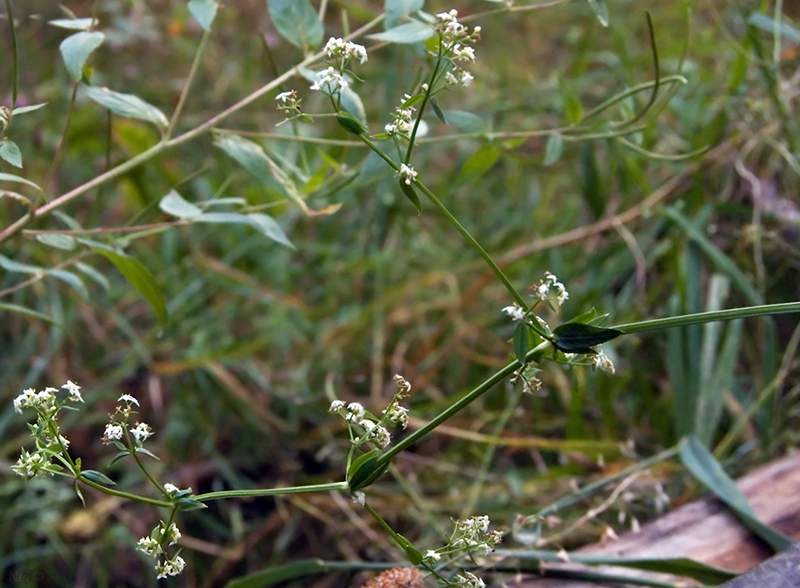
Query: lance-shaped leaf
x=411, y=32
x=138, y=276
x=30, y=313
x=77, y=48
x=297, y=22
x=72, y=24
x=410, y=193
x=579, y=338
x=10, y=153
x=204, y=11
x=174, y=204
x=127, y=105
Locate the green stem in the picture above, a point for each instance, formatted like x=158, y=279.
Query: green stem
x=707, y=317
x=385, y=525
x=185, y=92
x=146, y=473
x=432, y=197
x=533, y=355
x=424, y=104
x=121, y=494
x=271, y=491
x=14, y=57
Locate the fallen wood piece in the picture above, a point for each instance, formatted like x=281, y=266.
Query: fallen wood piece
x=704, y=530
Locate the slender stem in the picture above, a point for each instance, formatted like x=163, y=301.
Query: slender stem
x=271, y=491
x=424, y=104
x=128, y=495
x=498, y=377
x=432, y=197
x=707, y=317
x=14, y=56
x=384, y=524
x=144, y=469
x=185, y=92
x=60, y=150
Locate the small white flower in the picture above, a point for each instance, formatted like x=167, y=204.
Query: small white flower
x=74, y=391
x=346, y=50
x=172, y=534
x=149, y=546
x=327, y=77
x=171, y=567
x=356, y=412
x=284, y=96
x=141, y=431
x=463, y=53
x=403, y=385
x=171, y=489
x=450, y=79
x=407, y=174
x=601, y=361
x=515, y=312
x=431, y=555
x=128, y=398
x=448, y=16
x=112, y=432
x=336, y=405
x=31, y=464
x=466, y=78
x=359, y=497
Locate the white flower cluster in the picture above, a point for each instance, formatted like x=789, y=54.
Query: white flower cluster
x=396, y=414
x=469, y=580
x=530, y=383
x=119, y=422
x=356, y=414
x=49, y=441
x=289, y=103
x=601, y=361
x=402, y=124
x=346, y=50
x=328, y=80
x=154, y=547
x=475, y=536
x=515, y=312
x=455, y=40
x=407, y=174
x=551, y=288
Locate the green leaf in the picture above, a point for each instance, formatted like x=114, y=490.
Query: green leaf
x=119, y=456
x=77, y=48
x=297, y=22
x=600, y=11
x=204, y=11
x=276, y=574
x=127, y=105
x=708, y=470
x=30, y=313
x=264, y=224
x=73, y=24
x=140, y=278
x=414, y=100
x=23, y=268
x=147, y=453
x=554, y=149
x=18, y=180
x=174, y=204
x=579, y=338
x=398, y=10
x=412, y=553
x=438, y=111
x=349, y=123
x=522, y=341
x=98, y=478
x=410, y=32
x=466, y=122
x=365, y=470
x=480, y=162
x=64, y=242
x=767, y=24
x=185, y=504
x=572, y=104
x=410, y=193
x=26, y=109
x=11, y=153
x=352, y=104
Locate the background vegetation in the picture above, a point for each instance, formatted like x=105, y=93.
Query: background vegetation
x=261, y=337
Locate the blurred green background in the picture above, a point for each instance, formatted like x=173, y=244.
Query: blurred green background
x=260, y=337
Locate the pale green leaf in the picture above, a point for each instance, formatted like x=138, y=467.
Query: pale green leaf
x=264, y=224
x=73, y=24
x=21, y=268
x=600, y=11
x=10, y=153
x=64, y=242
x=18, y=180
x=398, y=10
x=481, y=161
x=30, y=313
x=94, y=274
x=410, y=32
x=554, y=149
x=127, y=105
x=25, y=109
x=77, y=48
x=204, y=11
x=466, y=122
x=72, y=280
x=174, y=204
x=297, y=22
